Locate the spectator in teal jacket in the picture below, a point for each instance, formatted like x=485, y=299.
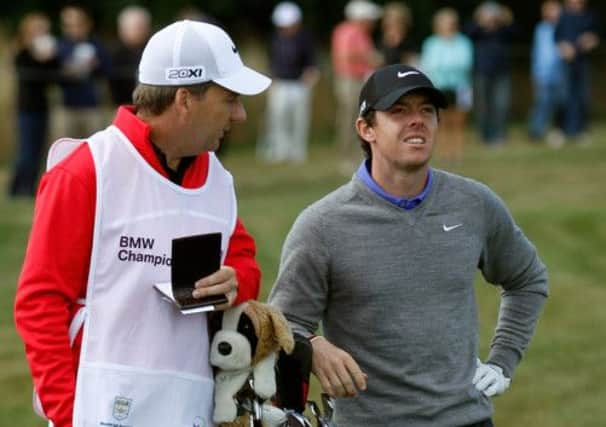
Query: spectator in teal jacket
x=447, y=58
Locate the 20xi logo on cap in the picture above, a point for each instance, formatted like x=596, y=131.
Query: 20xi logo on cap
x=184, y=74
x=190, y=52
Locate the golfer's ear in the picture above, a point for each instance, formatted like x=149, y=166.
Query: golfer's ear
x=365, y=130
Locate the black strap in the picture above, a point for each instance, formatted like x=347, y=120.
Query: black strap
x=292, y=376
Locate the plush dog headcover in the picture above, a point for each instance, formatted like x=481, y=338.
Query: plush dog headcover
x=248, y=340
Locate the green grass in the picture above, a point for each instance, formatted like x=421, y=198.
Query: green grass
x=557, y=197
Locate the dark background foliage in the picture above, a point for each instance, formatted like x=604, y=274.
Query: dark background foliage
x=253, y=16
x=249, y=23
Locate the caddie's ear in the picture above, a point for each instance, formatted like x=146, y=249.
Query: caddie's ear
x=183, y=100
x=282, y=330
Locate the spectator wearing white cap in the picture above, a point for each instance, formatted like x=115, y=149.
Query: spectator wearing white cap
x=354, y=57
x=106, y=213
x=293, y=68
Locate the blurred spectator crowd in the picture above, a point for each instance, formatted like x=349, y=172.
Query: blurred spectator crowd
x=468, y=58
x=470, y=61
x=75, y=62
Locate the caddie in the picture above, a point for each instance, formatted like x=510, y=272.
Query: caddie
x=103, y=347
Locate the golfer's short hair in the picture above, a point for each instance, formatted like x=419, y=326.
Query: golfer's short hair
x=156, y=99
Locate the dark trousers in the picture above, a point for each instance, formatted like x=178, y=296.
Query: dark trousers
x=485, y=423
x=577, y=98
x=492, y=98
x=32, y=141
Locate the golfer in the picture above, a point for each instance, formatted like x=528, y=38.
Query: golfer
x=387, y=262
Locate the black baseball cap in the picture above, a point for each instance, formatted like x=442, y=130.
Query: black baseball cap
x=387, y=84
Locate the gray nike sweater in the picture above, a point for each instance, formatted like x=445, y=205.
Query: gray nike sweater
x=394, y=288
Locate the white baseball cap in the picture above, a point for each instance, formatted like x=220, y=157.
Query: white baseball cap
x=286, y=14
x=190, y=52
x=362, y=10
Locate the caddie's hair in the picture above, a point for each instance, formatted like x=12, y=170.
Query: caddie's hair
x=156, y=99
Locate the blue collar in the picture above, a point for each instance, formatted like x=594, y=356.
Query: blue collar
x=363, y=173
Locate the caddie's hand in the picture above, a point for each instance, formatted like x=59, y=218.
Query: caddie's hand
x=337, y=371
x=489, y=379
x=223, y=281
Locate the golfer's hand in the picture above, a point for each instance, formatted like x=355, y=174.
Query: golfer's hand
x=489, y=379
x=337, y=371
x=223, y=281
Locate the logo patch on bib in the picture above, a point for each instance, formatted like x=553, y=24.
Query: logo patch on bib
x=122, y=407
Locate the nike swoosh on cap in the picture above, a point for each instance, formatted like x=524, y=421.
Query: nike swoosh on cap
x=401, y=75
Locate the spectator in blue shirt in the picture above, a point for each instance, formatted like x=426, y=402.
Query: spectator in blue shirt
x=577, y=35
x=546, y=68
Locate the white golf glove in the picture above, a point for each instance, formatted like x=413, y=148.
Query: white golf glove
x=489, y=379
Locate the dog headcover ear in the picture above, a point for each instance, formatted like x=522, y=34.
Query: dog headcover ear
x=272, y=329
x=215, y=320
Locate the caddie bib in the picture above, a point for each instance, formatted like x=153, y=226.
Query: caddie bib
x=143, y=363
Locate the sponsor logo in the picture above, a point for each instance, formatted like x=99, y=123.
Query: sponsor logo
x=186, y=73
x=141, y=250
x=121, y=407
x=401, y=75
x=137, y=242
x=363, y=107
x=448, y=228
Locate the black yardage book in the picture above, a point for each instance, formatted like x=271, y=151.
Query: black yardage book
x=192, y=258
